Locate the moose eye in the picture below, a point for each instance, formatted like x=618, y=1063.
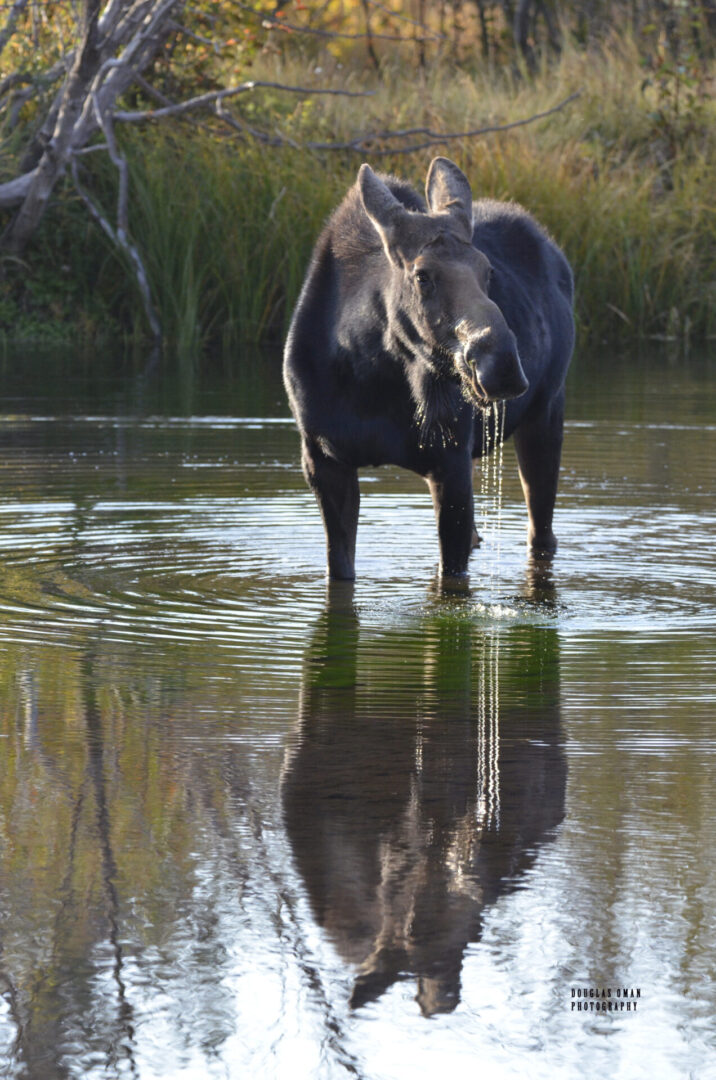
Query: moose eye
x=424, y=281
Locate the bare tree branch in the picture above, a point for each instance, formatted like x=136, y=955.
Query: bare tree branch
x=53, y=159
x=14, y=191
x=210, y=43
x=15, y=78
x=437, y=138
x=203, y=100
x=370, y=142
x=151, y=91
x=121, y=240
x=107, y=125
x=137, y=28
x=115, y=43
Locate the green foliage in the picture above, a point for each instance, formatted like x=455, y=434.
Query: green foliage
x=225, y=223
x=681, y=93
x=226, y=230
x=66, y=287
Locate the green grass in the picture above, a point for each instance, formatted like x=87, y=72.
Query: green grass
x=622, y=177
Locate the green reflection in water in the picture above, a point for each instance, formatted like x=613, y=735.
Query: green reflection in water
x=425, y=771
x=229, y=808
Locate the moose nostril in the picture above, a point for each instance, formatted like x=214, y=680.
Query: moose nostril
x=479, y=345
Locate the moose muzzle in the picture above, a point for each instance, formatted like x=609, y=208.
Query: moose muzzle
x=488, y=362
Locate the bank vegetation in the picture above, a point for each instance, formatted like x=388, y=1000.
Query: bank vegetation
x=165, y=168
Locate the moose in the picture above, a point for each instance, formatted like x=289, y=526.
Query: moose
x=415, y=319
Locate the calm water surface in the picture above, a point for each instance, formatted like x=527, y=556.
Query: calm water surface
x=252, y=827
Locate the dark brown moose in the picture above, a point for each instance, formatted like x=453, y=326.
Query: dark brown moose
x=413, y=804
x=413, y=321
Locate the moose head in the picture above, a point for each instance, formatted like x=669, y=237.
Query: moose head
x=439, y=303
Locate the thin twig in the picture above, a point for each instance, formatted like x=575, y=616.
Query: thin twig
x=438, y=139
x=90, y=149
x=366, y=143
x=244, y=129
x=270, y=22
x=215, y=46
x=151, y=91
x=445, y=136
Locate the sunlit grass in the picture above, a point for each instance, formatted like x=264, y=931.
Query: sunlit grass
x=226, y=225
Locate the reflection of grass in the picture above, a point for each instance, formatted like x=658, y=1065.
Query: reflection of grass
x=227, y=227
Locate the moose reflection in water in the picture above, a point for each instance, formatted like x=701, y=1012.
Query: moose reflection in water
x=427, y=772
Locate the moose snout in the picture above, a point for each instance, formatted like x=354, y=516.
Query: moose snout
x=492, y=364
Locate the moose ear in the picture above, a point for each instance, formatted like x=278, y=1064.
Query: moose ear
x=448, y=192
x=382, y=207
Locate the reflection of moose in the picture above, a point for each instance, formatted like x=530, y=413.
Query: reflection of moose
x=412, y=803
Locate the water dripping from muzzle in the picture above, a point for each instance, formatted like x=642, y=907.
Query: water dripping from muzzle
x=493, y=431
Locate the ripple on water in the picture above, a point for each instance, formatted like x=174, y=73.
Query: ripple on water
x=216, y=561
x=211, y=563
x=200, y=534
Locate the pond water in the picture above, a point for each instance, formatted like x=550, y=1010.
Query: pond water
x=254, y=827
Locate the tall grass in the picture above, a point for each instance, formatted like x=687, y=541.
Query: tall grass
x=226, y=226
x=226, y=230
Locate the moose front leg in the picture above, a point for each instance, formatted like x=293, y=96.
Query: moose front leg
x=538, y=444
x=451, y=490
x=336, y=489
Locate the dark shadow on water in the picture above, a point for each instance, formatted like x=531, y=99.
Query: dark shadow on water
x=540, y=590
x=427, y=773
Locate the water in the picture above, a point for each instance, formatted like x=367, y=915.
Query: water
x=253, y=827
x=490, y=468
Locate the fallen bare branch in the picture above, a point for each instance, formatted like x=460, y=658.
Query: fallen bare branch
x=134, y=28
x=16, y=78
x=104, y=119
x=444, y=136
x=54, y=157
x=367, y=143
x=436, y=138
x=12, y=192
x=203, y=100
x=120, y=239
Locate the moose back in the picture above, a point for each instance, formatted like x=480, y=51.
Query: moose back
x=414, y=319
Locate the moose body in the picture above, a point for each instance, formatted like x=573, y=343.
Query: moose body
x=414, y=319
